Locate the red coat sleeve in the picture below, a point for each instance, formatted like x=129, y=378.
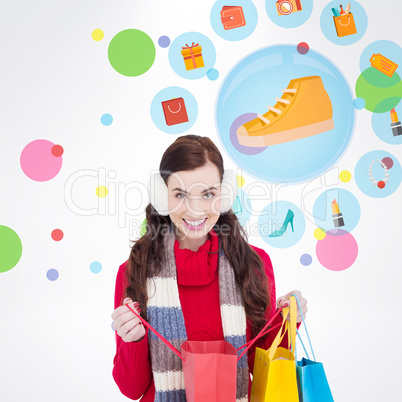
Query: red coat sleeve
x=131, y=364
x=267, y=342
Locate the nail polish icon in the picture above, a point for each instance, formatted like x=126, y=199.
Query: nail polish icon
x=282, y=229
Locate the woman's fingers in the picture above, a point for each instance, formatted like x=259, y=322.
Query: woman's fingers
x=124, y=320
x=284, y=301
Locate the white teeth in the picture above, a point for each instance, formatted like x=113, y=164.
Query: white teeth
x=194, y=223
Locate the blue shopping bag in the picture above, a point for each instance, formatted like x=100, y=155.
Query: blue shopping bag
x=311, y=379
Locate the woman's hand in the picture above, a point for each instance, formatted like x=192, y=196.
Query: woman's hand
x=284, y=301
x=127, y=325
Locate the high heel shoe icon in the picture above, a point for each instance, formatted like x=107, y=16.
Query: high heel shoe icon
x=282, y=229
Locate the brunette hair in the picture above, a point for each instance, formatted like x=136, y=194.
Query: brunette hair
x=187, y=153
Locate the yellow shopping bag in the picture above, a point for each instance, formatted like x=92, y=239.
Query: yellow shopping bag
x=274, y=375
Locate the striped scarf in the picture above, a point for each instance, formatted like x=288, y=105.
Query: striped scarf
x=166, y=316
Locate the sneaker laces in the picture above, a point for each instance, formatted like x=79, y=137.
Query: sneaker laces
x=279, y=100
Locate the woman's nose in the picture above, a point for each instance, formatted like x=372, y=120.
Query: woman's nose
x=196, y=206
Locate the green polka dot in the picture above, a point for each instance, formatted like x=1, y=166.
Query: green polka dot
x=131, y=52
x=143, y=227
x=10, y=248
x=380, y=92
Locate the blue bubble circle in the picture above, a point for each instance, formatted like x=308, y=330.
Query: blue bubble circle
x=237, y=33
x=272, y=219
x=254, y=83
x=358, y=17
x=292, y=20
x=362, y=176
x=381, y=123
x=164, y=41
x=52, y=274
x=386, y=48
x=106, y=119
x=348, y=205
x=359, y=103
x=188, y=102
x=95, y=267
x=306, y=259
x=212, y=74
x=208, y=55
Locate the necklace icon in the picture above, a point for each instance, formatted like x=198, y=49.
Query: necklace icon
x=384, y=181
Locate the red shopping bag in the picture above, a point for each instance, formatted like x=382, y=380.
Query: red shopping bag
x=209, y=367
x=209, y=370
x=175, y=111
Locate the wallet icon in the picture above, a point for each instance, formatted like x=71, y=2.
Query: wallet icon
x=232, y=17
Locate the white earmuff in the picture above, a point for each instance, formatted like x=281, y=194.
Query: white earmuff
x=158, y=192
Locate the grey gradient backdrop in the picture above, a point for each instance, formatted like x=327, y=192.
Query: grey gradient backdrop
x=56, y=342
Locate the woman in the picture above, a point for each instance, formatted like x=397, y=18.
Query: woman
x=192, y=275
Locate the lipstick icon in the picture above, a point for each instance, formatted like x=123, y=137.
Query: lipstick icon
x=395, y=124
x=337, y=216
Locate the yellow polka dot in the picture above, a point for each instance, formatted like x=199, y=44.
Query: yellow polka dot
x=240, y=181
x=345, y=176
x=97, y=34
x=319, y=234
x=101, y=191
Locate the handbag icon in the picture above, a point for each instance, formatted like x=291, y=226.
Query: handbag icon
x=345, y=25
x=232, y=17
x=175, y=111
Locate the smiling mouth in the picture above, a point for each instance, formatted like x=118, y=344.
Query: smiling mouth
x=195, y=224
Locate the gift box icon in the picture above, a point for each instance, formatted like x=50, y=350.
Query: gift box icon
x=192, y=56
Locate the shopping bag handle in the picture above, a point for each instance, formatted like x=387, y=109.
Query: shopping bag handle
x=166, y=342
x=291, y=328
x=305, y=326
x=259, y=335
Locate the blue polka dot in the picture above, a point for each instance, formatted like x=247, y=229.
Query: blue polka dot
x=164, y=41
x=359, y=103
x=106, y=119
x=212, y=74
x=96, y=267
x=52, y=274
x=306, y=259
x=112, y=326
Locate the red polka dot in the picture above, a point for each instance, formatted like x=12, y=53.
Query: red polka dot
x=57, y=234
x=303, y=48
x=381, y=184
x=57, y=150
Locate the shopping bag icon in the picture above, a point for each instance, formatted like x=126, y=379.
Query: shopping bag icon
x=345, y=25
x=175, y=111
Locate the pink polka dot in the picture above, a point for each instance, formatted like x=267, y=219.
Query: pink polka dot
x=388, y=162
x=38, y=162
x=338, y=251
x=57, y=234
x=57, y=150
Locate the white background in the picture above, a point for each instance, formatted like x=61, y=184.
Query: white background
x=56, y=341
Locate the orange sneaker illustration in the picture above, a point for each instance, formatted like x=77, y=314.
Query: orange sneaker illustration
x=304, y=110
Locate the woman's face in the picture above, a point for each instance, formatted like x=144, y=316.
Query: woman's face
x=194, y=200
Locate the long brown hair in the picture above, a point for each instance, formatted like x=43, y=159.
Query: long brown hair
x=187, y=153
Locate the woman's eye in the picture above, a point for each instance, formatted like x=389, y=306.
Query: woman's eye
x=178, y=195
x=209, y=195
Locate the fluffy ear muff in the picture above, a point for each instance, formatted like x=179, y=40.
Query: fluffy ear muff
x=158, y=194
x=228, y=190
